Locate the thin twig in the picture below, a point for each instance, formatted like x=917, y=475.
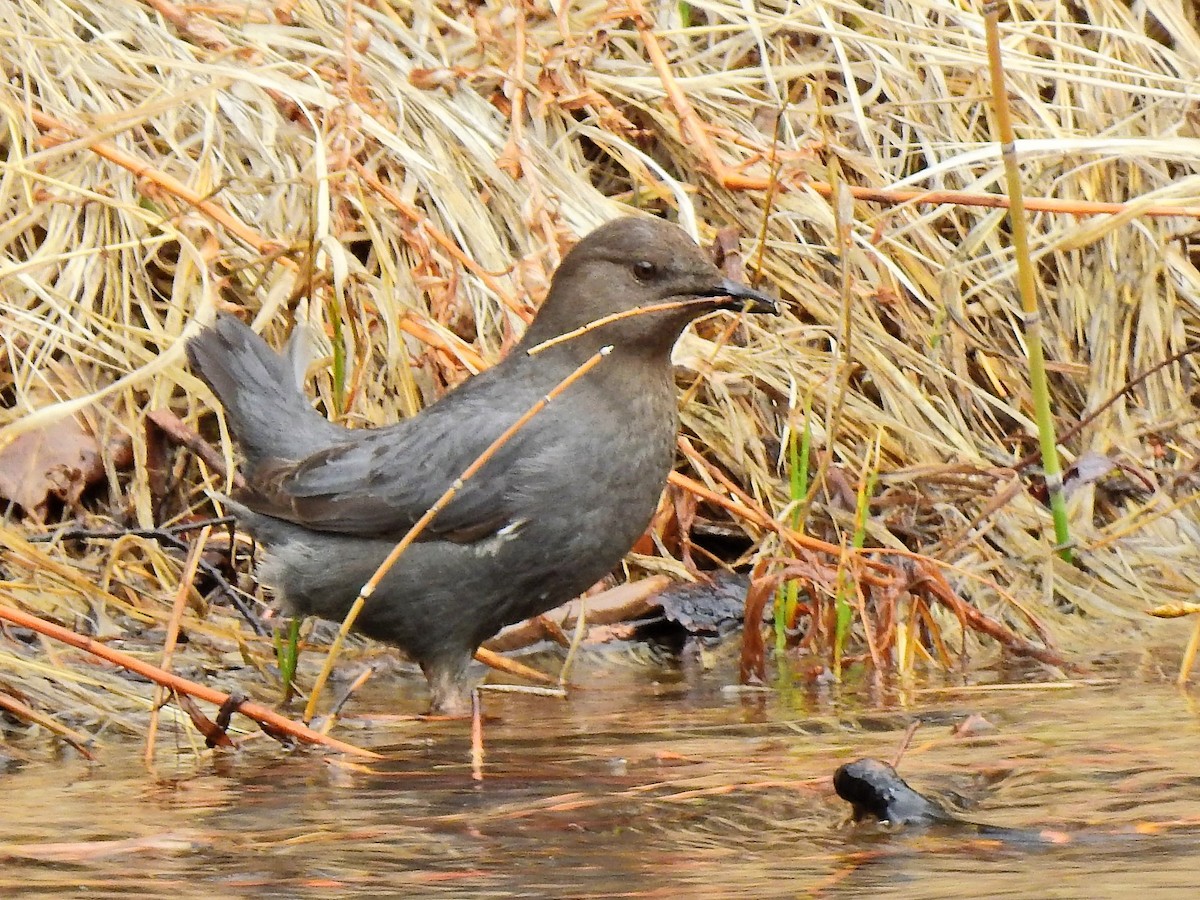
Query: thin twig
x=476, y=736
x=494, y=660
x=617, y=317
x=186, y=581
x=241, y=601
x=21, y=710
x=261, y=714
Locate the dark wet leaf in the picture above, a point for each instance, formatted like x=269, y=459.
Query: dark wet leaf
x=713, y=607
x=753, y=664
x=214, y=732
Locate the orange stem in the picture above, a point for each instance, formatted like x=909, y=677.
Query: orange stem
x=259, y=713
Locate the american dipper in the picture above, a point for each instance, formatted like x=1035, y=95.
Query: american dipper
x=549, y=515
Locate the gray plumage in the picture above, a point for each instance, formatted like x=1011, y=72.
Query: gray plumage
x=547, y=517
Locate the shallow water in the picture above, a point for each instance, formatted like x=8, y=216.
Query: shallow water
x=655, y=780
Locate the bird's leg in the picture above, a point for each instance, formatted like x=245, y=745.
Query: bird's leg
x=449, y=687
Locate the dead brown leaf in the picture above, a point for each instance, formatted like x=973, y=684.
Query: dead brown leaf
x=61, y=460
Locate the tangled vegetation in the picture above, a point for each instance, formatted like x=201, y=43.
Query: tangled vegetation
x=403, y=178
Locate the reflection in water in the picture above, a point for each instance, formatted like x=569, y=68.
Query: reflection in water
x=651, y=781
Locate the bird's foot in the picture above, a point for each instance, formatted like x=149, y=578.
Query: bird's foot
x=450, y=693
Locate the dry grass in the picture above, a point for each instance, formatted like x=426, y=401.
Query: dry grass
x=407, y=178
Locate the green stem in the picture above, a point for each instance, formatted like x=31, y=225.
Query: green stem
x=788, y=595
x=1026, y=281
x=287, y=655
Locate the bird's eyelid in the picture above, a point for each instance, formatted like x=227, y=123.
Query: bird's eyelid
x=645, y=268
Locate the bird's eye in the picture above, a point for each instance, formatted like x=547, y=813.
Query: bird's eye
x=644, y=270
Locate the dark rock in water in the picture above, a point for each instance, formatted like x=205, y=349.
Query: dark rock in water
x=876, y=791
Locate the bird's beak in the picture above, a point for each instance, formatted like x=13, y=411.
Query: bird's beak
x=747, y=299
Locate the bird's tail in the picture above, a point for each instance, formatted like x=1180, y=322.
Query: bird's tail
x=266, y=411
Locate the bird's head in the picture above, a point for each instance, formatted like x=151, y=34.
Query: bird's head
x=636, y=282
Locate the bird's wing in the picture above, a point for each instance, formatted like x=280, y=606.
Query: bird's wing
x=382, y=482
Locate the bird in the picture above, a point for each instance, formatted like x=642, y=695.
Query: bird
x=553, y=511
